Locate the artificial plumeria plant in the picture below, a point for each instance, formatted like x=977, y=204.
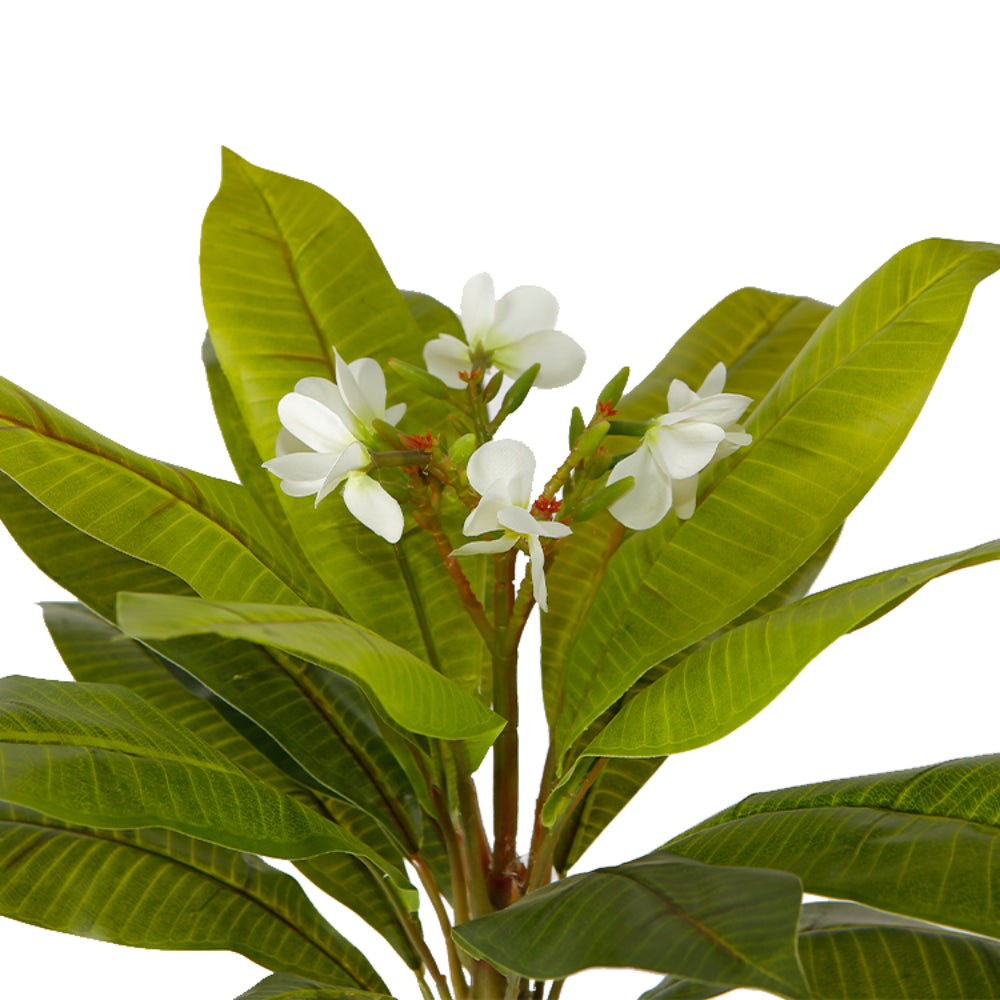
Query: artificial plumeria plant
x=314, y=664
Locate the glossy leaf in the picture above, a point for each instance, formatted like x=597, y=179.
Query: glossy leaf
x=757, y=335
x=97, y=652
x=207, y=532
x=287, y=987
x=288, y=276
x=852, y=952
x=727, y=681
x=159, y=889
x=921, y=842
x=408, y=690
x=99, y=755
x=820, y=439
x=724, y=925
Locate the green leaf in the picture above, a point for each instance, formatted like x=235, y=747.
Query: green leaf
x=722, y=925
x=97, y=652
x=920, y=842
x=408, y=690
x=286, y=987
x=153, y=888
x=757, y=335
x=820, y=439
x=207, y=532
x=99, y=755
x=88, y=569
x=726, y=681
x=288, y=275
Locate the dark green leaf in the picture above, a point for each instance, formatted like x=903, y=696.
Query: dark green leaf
x=99, y=755
x=921, y=842
x=820, y=439
x=160, y=889
x=722, y=925
x=286, y=987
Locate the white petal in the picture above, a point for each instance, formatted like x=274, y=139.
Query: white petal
x=685, y=496
x=287, y=443
x=715, y=381
x=353, y=457
x=538, y=573
x=325, y=392
x=483, y=517
x=494, y=547
x=561, y=358
x=649, y=499
x=373, y=507
x=680, y=395
x=302, y=465
x=478, y=306
x=686, y=449
x=506, y=461
x=445, y=357
x=363, y=386
x=395, y=413
x=554, y=529
x=303, y=488
x=523, y=310
x=518, y=520
x=313, y=423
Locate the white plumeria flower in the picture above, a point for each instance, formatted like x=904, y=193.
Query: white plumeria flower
x=697, y=429
x=501, y=472
x=512, y=334
x=326, y=429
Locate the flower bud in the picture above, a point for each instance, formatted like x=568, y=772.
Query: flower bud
x=612, y=392
x=517, y=393
x=417, y=376
x=590, y=440
x=462, y=449
x=603, y=499
x=576, y=426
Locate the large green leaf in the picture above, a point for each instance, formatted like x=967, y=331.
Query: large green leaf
x=852, y=952
x=757, y=335
x=207, y=532
x=153, y=888
x=288, y=275
x=721, y=925
x=99, y=755
x=407, y=689
x=287, y=987
x=921, y=842
x=97, y=652
x=727, y=681
x=820, y=439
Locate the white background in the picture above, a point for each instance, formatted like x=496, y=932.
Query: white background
x=640, y=161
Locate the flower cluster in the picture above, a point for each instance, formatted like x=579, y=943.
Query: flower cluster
x=328, y=438
x=697, y=429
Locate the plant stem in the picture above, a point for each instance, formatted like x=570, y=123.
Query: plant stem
x=476, y=851
x=556, y=989
x=513, y=988
x=505, y=750
x=454, y=966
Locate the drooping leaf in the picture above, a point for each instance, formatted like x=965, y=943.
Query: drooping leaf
x=757, y=335
x=97, y=652
x=99, y=755
x=289, y=276
x=727, y=681
x=820, y=439
x=288, y=987
x=408, y=690
x=723, y=925
x=207, y=532
x=920, y=842
x=154, y=888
